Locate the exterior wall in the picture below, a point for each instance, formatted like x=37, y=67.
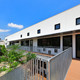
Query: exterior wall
x=2, y=43
x=35, y=42
x=67, y=20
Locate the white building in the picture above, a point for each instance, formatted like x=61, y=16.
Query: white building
x=52, y=35
x=2, y=42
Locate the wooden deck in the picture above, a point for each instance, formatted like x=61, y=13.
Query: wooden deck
x=74, y=70
x=39, y=77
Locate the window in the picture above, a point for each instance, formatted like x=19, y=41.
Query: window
x=20, y=35
x=6, y=39
x=67, y=42
x=27, y=42
x=22, y=43
x=57, y=26
x=49, y=42
x=38, y=31
x=27, y=34
x=77, y=21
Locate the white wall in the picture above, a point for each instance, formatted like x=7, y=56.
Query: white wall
x=35, y=42
x=2, y=43
x=67, y=19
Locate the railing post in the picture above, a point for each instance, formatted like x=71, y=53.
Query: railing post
x=48, y=70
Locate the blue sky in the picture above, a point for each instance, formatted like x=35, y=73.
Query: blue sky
x=16, y=15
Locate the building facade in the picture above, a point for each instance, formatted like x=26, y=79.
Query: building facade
x=2, y=42
x=52, y=35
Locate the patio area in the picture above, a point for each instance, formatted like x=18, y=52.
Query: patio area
x=74, y=70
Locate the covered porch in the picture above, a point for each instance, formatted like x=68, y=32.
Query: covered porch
x=52, y=44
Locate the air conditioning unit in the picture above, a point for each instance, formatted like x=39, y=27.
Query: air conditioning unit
x=44, y=49
x=49, y=51
x=56, y=50
x=38, y=50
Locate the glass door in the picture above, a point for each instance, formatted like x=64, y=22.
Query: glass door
x=67, y=42
x=78, y=46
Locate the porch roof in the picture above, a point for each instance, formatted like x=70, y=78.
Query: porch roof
x=49, y=35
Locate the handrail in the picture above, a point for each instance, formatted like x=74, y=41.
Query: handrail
x=58, y=54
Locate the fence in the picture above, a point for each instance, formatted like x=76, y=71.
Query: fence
x=46, y=50
x=54, y=68
x=59, y=65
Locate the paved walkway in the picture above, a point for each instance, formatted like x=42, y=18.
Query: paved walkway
x=74, y=71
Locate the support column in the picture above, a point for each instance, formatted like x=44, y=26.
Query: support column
x=20, y=43
x=74, y=45
x=35, y=42
x=61, y=43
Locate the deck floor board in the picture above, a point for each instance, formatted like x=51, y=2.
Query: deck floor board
x=74, y=70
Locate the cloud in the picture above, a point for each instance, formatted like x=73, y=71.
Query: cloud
x=3, y=30
x=15, y=25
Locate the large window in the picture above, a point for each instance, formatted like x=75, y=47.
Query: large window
x=67, y=42
x=57, y=26
x=22, y=43
x=27, y=42
x=49, y=42
x=77, y=21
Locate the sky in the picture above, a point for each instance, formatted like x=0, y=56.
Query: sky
x=16, y=15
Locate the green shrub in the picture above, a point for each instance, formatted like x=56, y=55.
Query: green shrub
x=3, y=68
x=14, y=64
x=0, y=46
x=3, y=59
x=30, y=56
x=22, y=61
x=3, y=50
x=14, y=47
x=10, y=69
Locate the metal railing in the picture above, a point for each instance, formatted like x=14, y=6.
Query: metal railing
x=59, y=65
x=54, y=68
x=35, y=69
x=46, y=50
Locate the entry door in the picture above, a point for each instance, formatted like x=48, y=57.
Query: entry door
x=67, y=41
x=78, y=46
x=31, y=45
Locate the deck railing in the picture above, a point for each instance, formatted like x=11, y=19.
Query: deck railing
x=54, y=68
x=59, y=65
x=46, y=50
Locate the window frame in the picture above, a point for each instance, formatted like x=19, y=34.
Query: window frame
x=21, y=35
x=28, y=34
x=56, y=25
x=76, y=21
x=38, y=31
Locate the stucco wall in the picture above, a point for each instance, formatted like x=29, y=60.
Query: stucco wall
x=2, y=43
x=67, y=19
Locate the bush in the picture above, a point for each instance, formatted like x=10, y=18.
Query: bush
x=14, y=47
x=3, y=69
x=3, y=50
x=10, y=69
x=14, y=64
x=3, y=59
x=0, y=46
x=30, y=56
